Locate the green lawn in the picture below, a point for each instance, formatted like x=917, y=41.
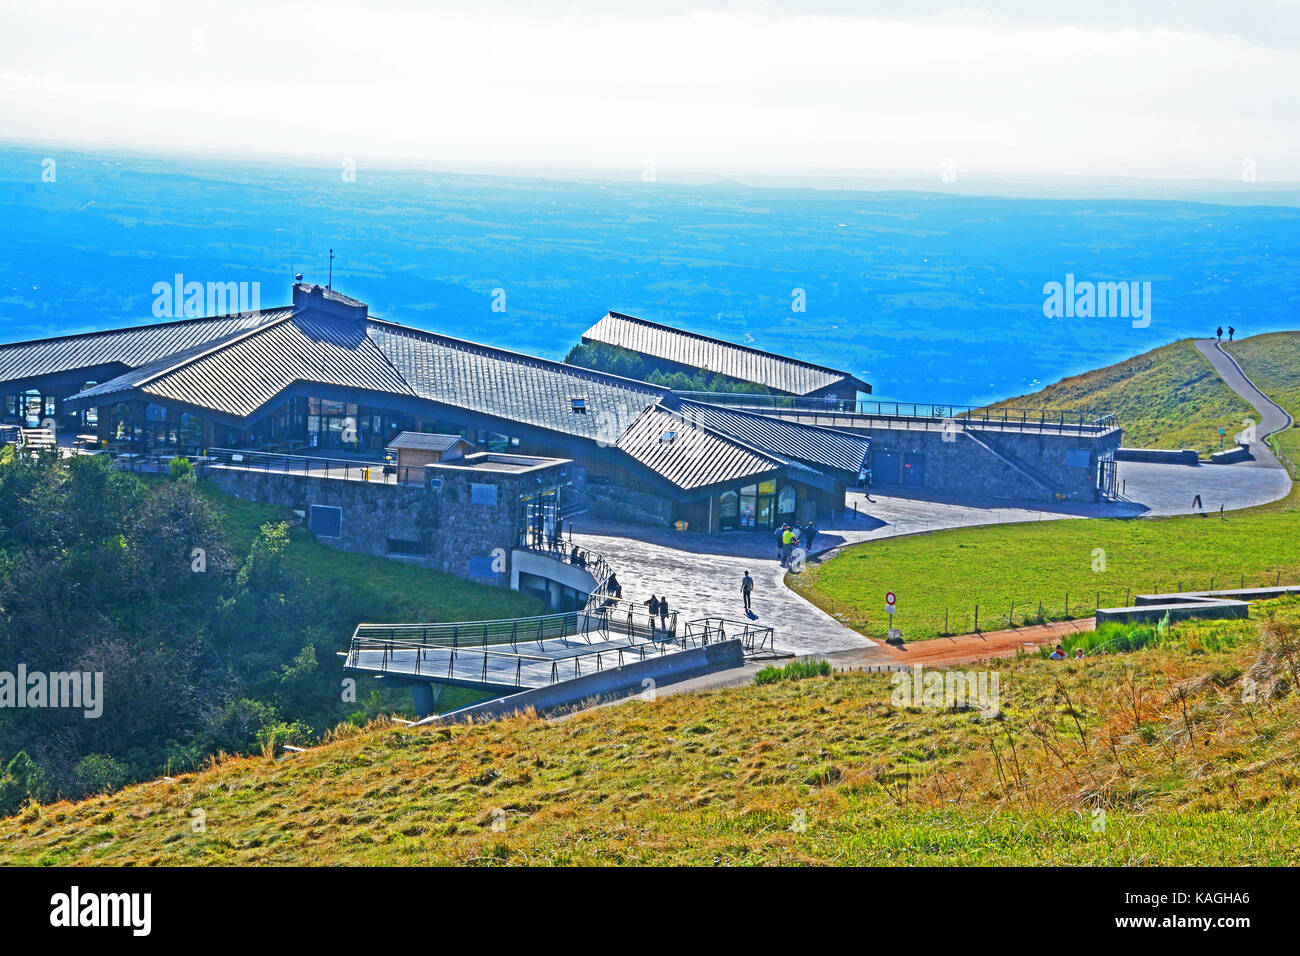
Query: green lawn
x=1007, y=570
x=1089, y=762
x=950, y=572
x=1169, y=397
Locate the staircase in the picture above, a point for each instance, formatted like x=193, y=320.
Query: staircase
x=37, y=439
x=1007, y=458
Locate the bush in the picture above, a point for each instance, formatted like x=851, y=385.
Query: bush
x=182, y=469
x=101, y=773
x=796, y=670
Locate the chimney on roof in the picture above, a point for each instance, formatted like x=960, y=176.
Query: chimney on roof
x=317, y=298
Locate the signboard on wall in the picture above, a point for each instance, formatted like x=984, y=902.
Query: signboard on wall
x=482, y=494
x=326, y=521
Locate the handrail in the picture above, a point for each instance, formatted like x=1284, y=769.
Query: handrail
x=314, y=465
x=1038, y=418
x=389, y=647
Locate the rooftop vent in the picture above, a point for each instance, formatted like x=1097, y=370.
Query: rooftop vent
x=667, y=437
x=579, y=405
x=320, y=299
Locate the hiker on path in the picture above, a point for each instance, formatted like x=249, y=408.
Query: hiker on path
x=653, y=604
x=747, y=589
x=1219, y=333
x=1231, y=330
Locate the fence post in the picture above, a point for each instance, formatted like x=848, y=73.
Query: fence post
x=1067, y=605
x=977, y=618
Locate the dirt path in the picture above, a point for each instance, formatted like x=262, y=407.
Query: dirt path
x=962, y=648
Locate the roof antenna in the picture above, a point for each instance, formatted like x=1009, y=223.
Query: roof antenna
x=331, y=282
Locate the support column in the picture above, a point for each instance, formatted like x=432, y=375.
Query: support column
x=426, y=699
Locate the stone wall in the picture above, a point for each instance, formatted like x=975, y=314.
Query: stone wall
x=449, y=530
x=963, y=466
x=628, y=504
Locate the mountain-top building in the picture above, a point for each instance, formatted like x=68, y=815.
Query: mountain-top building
x=323, y=377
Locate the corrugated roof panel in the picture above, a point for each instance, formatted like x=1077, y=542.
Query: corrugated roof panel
x=131, y=347
x=512, y=386
x=725, y=358
x=806, y=443
x=426, y=441
x=241, y=377
x=695, y=457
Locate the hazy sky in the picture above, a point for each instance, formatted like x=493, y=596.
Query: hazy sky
x=1152, y=88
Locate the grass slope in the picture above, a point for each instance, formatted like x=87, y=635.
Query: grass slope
x=1169, y=397
x=1179, y=753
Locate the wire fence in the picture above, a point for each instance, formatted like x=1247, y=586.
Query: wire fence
x=940, y=619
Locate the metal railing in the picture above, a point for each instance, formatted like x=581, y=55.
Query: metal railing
x=1038, y=419
x=612, y=617
x=351, y=469
x=554, y=547
x=754, y=639
x=567, y=667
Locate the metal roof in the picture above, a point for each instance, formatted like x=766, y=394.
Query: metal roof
x=426, y=441
x=695, y=457
x=244, y=368
x=806, y=443
x=512, y=386
x=240, y=375
x=129, y=348
x=740, y=362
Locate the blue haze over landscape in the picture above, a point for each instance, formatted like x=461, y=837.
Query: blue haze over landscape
x=929, y=296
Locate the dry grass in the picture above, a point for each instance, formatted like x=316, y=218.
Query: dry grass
x=1180, y=754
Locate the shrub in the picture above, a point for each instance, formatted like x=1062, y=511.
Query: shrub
x=795, y=670
x=182, y=469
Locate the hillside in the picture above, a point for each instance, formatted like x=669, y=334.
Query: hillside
x=226, y=654
x=1181, y=752
x=1169, y=397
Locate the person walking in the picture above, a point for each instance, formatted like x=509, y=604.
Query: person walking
x=1219, y=333
x=780, y=538
x=653, y=604
x=747, y=589
x=1231, y=330
x=809, y=536
x=787, y=546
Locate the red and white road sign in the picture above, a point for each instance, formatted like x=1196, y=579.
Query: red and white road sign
x=890, y=598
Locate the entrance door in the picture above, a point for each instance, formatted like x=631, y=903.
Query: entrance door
x=914, y=471
x=886, y=467
x=729, y=511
